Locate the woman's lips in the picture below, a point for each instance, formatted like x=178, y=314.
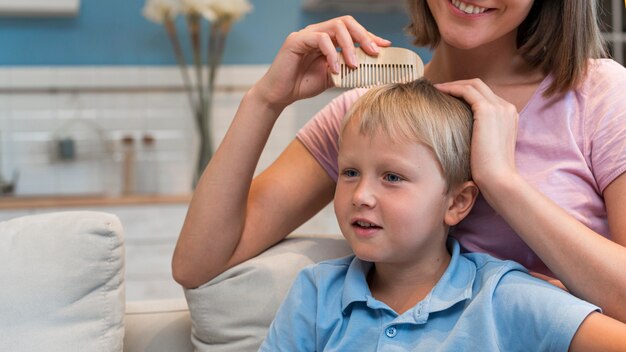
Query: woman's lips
x=468, y=9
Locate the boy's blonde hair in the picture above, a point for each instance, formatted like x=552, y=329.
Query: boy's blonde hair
x=419, y=112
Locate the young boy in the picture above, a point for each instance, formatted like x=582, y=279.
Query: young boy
x=404, y=182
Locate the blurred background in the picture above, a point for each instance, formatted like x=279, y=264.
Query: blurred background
x=104, y=79
x=94, y=114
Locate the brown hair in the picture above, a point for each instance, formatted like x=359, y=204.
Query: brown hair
x=557, y=36
x=419, y=112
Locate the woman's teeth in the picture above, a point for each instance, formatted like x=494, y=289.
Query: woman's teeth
x=469, y=9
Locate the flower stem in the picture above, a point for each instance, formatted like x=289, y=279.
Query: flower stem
x=180, y=59
x=193, y=23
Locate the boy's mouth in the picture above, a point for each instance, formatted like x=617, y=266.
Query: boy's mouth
x=365, y=225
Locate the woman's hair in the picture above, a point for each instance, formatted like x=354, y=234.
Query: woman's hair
x=418, y=112
x=557, y=36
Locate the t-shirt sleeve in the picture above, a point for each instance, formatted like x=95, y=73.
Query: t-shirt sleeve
x=605, y=120
x=294, y=325
x=536, y=315
x=321, y=134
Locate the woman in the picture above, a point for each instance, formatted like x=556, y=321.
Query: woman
x=553, y=202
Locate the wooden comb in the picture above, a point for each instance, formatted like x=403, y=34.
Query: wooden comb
x=392, y=65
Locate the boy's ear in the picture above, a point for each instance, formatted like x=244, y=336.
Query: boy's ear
x=462, y=200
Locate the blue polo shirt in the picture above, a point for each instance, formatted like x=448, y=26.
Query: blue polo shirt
x=479, y=304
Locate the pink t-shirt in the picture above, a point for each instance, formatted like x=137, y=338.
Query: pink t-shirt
x=569, y=147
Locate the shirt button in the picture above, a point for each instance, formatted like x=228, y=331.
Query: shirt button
x=391, y=331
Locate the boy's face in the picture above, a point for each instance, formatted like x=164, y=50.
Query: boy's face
x=390, y=199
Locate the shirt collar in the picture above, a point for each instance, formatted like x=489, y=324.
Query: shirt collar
x=455, y=285
x=355, y=288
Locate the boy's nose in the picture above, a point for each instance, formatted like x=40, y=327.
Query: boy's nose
x=363, y=195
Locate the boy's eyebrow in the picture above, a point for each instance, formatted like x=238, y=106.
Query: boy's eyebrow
x=342, y=157
x=391, y=160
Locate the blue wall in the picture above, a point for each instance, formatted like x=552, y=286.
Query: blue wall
x=113, y=32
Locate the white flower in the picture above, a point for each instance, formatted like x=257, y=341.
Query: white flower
x=158, y=10
x=231, y=10
x=201, y=7
x=211, y=10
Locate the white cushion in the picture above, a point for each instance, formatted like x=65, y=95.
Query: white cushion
x=157, y=326
x=62, y=282
x=233, y=311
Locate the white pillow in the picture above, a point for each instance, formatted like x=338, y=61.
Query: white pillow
x=157, y=325
x=233, y=311
x=62, y=279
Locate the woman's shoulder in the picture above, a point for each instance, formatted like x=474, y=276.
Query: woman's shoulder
x=606, y=65
x=347, y=98
x=601, y=93
x=602, y=86
x=603, y=74
x=331, y=115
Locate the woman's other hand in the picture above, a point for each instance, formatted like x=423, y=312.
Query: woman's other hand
x=302, y=66
x=494, y=134
x=549, y=279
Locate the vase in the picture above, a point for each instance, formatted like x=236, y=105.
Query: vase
x=205, y=145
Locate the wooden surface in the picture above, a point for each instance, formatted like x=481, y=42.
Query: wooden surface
x=28, y=202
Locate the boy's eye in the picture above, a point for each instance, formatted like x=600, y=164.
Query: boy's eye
x=350, y=173
x=392, y=178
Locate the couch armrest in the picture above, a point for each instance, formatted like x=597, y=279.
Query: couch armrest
x=62, y=279
x=233, y=312
x=157, y=326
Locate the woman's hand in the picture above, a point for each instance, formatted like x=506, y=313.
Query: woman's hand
x=549, y=279
x=301, y=67
x=588, y=264
x=494, y=134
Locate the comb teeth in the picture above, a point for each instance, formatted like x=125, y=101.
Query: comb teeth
x=392, y=65
x=368, y=75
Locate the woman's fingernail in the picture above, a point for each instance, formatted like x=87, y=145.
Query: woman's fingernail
x=336, y=66
x=374, y=47
x=354, y=60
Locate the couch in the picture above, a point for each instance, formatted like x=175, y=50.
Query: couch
x=62, y=279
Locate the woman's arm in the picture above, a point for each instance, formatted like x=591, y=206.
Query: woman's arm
x=599, y=333
x=588, y=264
x=232, y=218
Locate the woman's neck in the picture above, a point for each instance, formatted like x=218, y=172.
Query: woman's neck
x=495, y=63
x=498, y=65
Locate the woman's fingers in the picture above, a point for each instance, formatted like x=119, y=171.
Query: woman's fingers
x=312, y=42
x=495, y=129
x=300, y=69
x=344, y=40
x=345, y=32
x=549, y=279
x=480, y=97
x=472, y=91
x=369, y=42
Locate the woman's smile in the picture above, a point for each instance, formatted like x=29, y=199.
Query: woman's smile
x=468, y=8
